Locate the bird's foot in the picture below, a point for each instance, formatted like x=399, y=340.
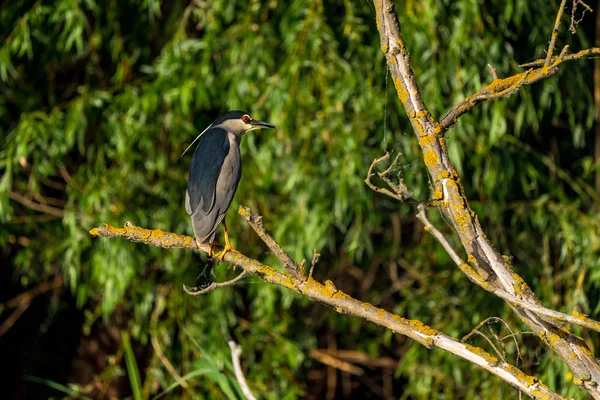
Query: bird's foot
x=225, y=250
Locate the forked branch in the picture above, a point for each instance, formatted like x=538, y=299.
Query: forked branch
x=493, y=271
x=341, y=302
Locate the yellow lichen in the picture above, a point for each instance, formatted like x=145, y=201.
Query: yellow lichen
x=401, y=90
x=419, y=326
x=482, y=353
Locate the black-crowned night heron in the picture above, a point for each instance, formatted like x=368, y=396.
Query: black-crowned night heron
x=215, y=173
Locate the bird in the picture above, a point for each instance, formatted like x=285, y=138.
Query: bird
x=215, y=172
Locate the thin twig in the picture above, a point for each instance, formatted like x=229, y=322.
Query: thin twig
x=43, y=287
x=197, y=290
x=574, y=21
x=336, y=363
x=593, y=51
x=487, y=323
x=400, y=191
x=314, y=261
x=236, y=352
x=493, y=71
x=57, y=212
x=561, y=9
x=255, y=221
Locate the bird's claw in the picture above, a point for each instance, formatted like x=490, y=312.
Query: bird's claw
x=225, y=250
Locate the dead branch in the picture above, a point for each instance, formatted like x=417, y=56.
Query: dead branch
x=236, y=352
x=576, y=318
x=399, y=191
x=195, y=291
x=313, y=263
x=45, y=208
x=255, y=221
x=554, y=35
x=485, y=262
x=341, y=302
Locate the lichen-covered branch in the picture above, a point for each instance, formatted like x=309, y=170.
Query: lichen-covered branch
x=483, y=259
x=256, y=222
x=504, y=87
x=575, y=319
x=554, y=35
x=341, y=302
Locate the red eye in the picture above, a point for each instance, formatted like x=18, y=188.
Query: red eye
x=245, y=118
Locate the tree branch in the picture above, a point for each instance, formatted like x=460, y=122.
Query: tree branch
x=341, y=302
x=483, y=258
x=554, y=35
x=575, y=319
x=197, y=290
x=255, y=221
x=18, y=197
x=508, y=86
x=236, y=352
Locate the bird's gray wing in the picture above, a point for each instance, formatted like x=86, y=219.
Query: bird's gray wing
x=206, y=165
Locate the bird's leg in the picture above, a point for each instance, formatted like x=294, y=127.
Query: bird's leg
x=228, y=246
x=211, y=246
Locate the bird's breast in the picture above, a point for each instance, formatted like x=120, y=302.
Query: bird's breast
x=232, y=164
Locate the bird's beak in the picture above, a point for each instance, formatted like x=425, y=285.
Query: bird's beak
x=261, y=124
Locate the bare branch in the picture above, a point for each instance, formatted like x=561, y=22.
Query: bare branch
x=483, y=282
x=493, y=71
x=574, y=21
x=343, y=303
x=336, y=363
x=498, y=88
x=45, y=208
x=255, y=221
x=484, y=259
x=508, y=86
x=236, y=352
x=594, y=51
x=197, y=290
x=314, y=261
x=400, y=191
x=561, y=9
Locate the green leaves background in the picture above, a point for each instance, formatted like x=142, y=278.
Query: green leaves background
x=99, y=99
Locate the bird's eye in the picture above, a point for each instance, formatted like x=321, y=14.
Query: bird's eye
x=245, y=118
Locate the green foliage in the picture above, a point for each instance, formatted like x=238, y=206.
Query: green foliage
x=100, y=98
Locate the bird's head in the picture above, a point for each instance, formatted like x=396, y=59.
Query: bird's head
x=239, y=122
x=236, y=122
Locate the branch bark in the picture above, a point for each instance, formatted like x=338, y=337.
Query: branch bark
x=341, y=302
x=236, y=352
x=494, y=270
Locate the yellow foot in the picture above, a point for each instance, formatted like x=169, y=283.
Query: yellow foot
x=225, y=250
